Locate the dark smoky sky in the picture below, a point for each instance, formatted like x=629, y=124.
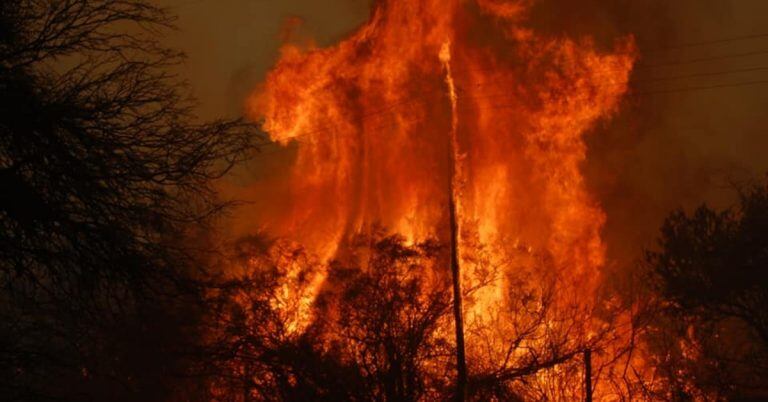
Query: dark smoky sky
x=232, y=43
x=687, y=131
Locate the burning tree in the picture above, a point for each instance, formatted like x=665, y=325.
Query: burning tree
x=436, y=239
x=377, y=338
x=454, y=121
x=380, y=328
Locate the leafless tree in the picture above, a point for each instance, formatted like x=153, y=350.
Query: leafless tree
x=103, y=171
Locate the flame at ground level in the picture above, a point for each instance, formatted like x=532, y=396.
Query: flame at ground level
x=376, y=118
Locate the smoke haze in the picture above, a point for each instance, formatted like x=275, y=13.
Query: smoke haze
x=676, y=142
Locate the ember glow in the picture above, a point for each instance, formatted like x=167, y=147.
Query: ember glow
x=433, y=99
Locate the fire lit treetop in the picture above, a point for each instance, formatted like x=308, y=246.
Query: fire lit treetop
x=376, y=116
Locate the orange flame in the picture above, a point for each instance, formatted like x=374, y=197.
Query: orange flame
x=375, y=115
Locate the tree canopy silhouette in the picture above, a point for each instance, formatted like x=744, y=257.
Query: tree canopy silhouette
x=711, y=274
x=103, y=169
x=714, y=264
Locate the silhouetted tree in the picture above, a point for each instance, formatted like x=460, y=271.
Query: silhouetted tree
x=103, y=170
x=714, y=264
x=711, y=273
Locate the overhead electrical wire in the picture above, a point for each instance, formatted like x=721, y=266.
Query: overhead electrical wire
x=394, y=106
x=395, y=124
x=665, y=49
x=708, y=42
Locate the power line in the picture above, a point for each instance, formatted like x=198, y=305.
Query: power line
x=667, y=64
x=636, y=67
x=415, y=99
x=502, y=95
x=698, y=75
x=666, y=91
x=708, y=42
x=423, y=96
x=702, y=59
x=660, y=79
x=504, y=106
x=701, y=88
x=396, y=105
x=395, y=124
x=671, y=47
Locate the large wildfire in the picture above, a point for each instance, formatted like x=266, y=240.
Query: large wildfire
x=449, y=114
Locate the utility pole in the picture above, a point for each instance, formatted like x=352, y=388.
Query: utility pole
x=458, y=313
x=588, y=375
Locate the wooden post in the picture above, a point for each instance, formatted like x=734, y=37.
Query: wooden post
x=461, y=362
x=588, y=375
x=453, y=182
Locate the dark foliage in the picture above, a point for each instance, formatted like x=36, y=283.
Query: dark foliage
x=711, y=273
x=105, y=176
x=715, y=264
x=102, y=173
